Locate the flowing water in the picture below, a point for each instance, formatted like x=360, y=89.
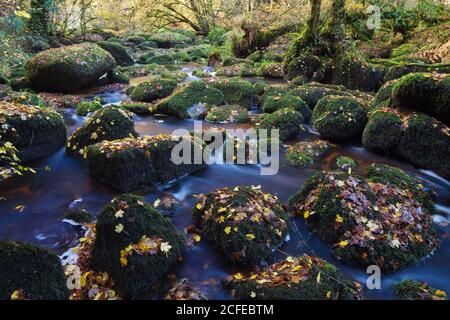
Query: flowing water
x=49, y=194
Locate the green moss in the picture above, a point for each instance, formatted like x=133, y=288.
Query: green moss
x=168, y=39
x=295, y=278
x=305, y=153
x=288, y=121
x=276, y=91
x=119, y=53
x=243, y=237
x=312, y=93
x=217, y=35
x=136, y=39
x=117, y=76
x=79, y=216
x=227, y=114
x=85, y=107
x=201, y=74
x=384, y=94
x=154, y=89
x=161, y=59
x=425, y=93
x=235, y=91
x=185, y=97
x=108, y=123
x=273, y=103
x=197, y=53
x=23, y=97
x=270, y=69
x=417, y=290
x=138, y=108
x=138, y=219
x=35, y=271
x=345, y=163
x=383, y=130
x=69, y=68
x=36, y=132
x=337, y=117
x=238, y=70
x=259, y=87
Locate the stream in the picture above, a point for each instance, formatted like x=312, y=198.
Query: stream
x=49, y=194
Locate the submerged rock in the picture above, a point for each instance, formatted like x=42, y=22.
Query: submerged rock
x=295, y=278
x=305, y=153
x=35, y=132
x=28, y=272
x=109, y=123
x=154, y=89
x=337, y=117
x=69, y=68
x=130, y=163
x=196, y=92
x=287, y=120
x=134, y=244
x=366, y=222
x=417, y=290
x=244, y=223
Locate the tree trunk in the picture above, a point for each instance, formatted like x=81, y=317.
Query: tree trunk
x=314, y=20
x=337, y=23
x=40, y=15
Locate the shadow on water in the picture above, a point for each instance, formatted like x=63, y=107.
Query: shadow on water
x=48, y=195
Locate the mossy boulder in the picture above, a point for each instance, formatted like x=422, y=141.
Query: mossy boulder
x=259, y=87
x=417, y=290
x=272, y=70
x=238, y=70
x=85, y=107
x=295, y=278
x=275, y=102
x=338, y=117
x=138, y=108
x=119, y=53
x=424, y=92
x=275, y=91
x=235, y=90
x=288, y=121
x=109, y=123
x=162, y=59
x=366, y=223
x=425, y=142
x=154, y=89
x=305, y=153
x=35, y=132
x=194, y=93
x=312, y=93
x=79, y=216
x=168, y=39
x=69, y=68
x=117, y=76
x=227, y=114
x=22, y=97
x=244, y=223
x=134, y=244
x=36, y=273
x=383, y=130
x=131, y=163
x=383, y=96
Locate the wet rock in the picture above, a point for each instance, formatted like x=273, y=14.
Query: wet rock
x=134, y=244
x=383, y=96
x=287, y=120
x=424, y=92
x=305, y=153
x=338, y=117
x=185, y=97
x=69, y=68
x=138, y=108
x=130, y=163
x=383, y=130
x=274, y=91
x=244, y=223
x=227, y=114
x=109, y=123
x=272, y=70
x=312, y=93
x=119, y=53
x=417, y=290
x=29, y=272
x=295, y=278
x=117, y=76
x=85, y=107
x=235, y=90
x=154, y=89
x=184, y=290
x=275, y=102
x=79, y=216
x=365, y=222
x=35, y=132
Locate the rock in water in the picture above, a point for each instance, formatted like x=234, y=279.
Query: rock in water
x=28, y=272
x=245, y=223
x=134, y=244
x=287, y=120
x=149, y=91
x=417, y=290
x=109, y=123
x=35, y=132
x=69, y=68
x=295, y=278
x=375, y=221
x=133, y=162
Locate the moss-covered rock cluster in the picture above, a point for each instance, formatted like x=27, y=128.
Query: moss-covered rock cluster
x=305, y=153
x=134, y=244
x=35, y=132
x=378, y=220
x=338, y=117
x=109, y=123
x=130, y=163
x=244, y=223
x=417, y=290
x=28, y=272
x=68, y=68
x=288, y=121
x=295, y=278
x=154, y=89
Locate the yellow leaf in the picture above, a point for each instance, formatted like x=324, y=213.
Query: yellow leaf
x=199, y=206
x=440, y=293
x=343, y=243
x=119, y=228
x=238, y=276
x=306, y=214
x=227, y=230
x=123, y=262
x=15, y=295
x=253, y=294
x=197, y=238
x=250, y=236
x=339, y=219
x=290, y=259
x=222, y=209
x=119, y=214
x=318, y=278
x=328, y=296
